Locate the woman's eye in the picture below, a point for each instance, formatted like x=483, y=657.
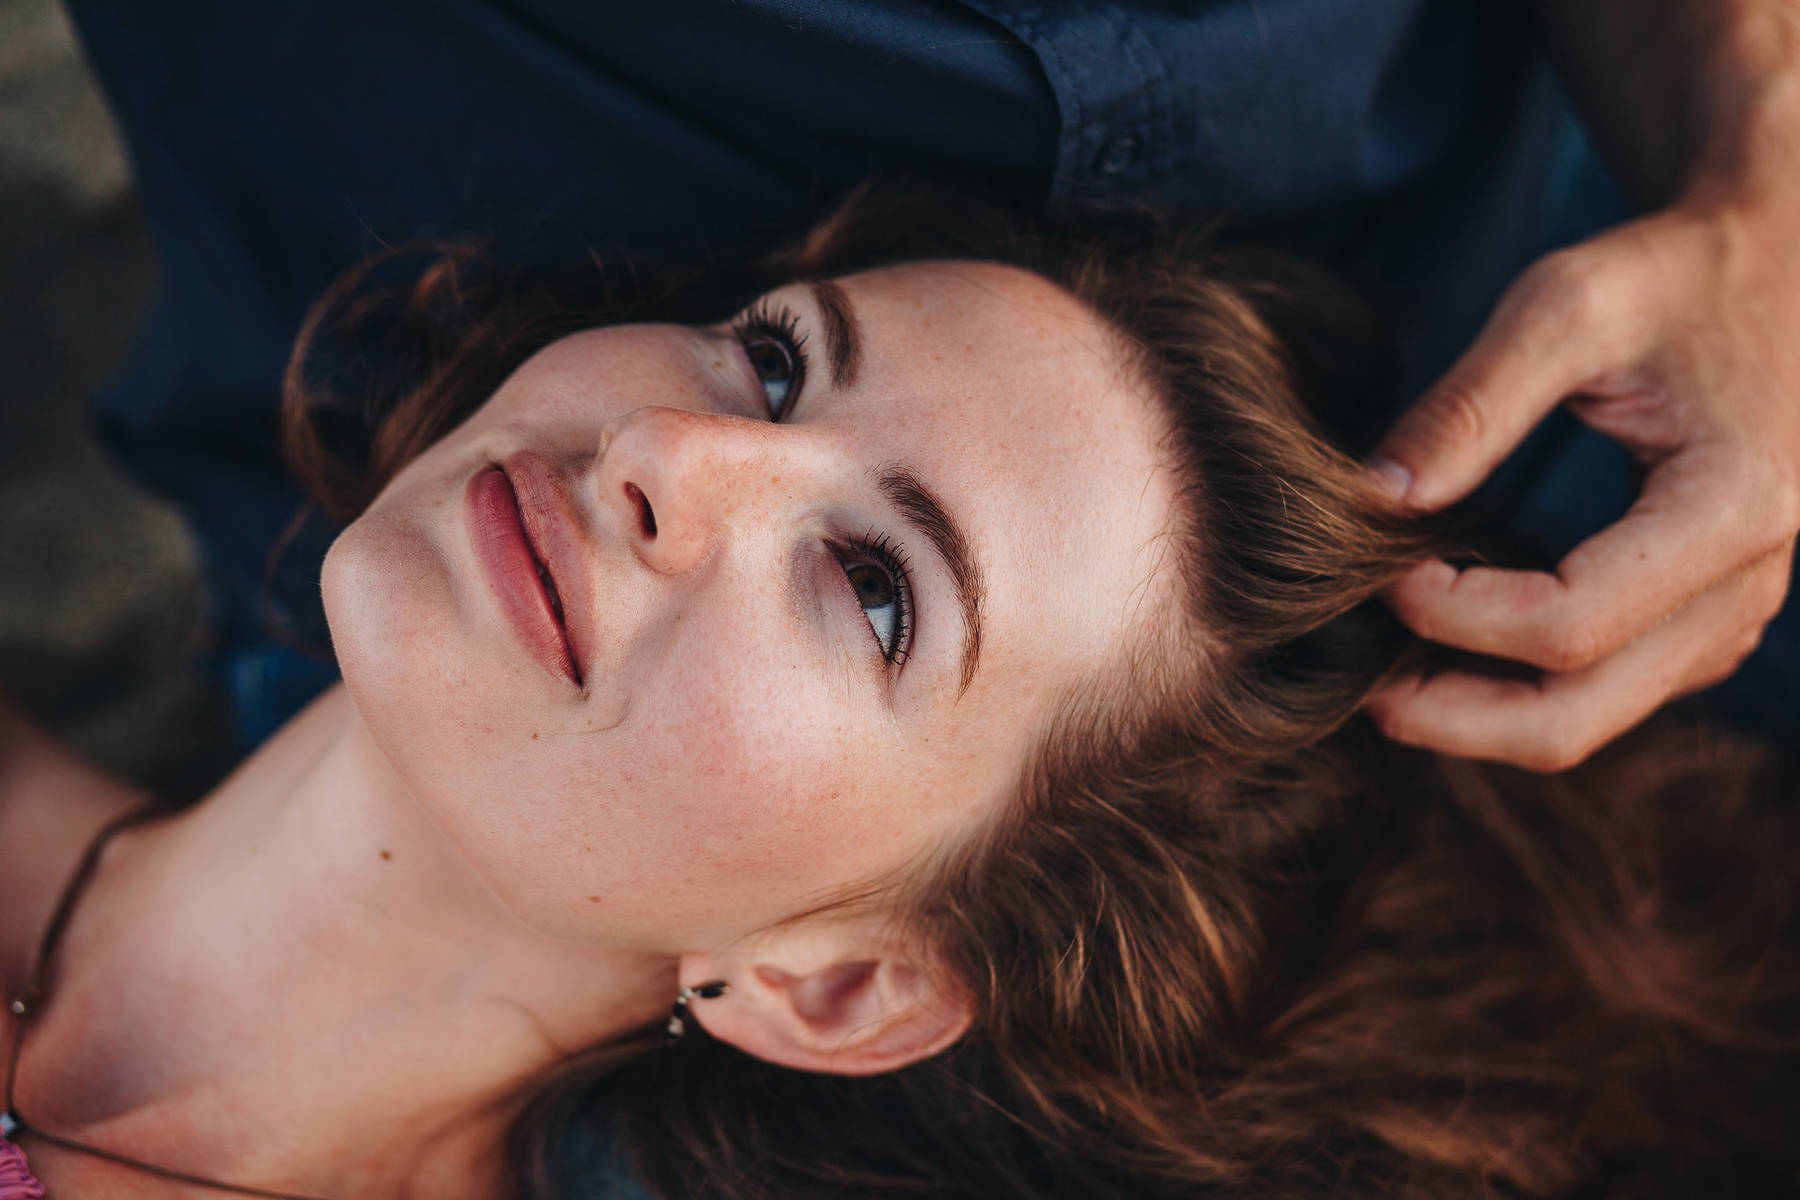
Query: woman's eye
x=880, y=603
x=774, y=366
x=772, y=341
x=878, y=576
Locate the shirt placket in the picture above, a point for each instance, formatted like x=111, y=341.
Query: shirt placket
x=1113, y=99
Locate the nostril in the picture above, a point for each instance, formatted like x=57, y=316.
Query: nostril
x=646, y=516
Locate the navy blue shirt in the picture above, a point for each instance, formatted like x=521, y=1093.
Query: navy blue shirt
x=1403, y=141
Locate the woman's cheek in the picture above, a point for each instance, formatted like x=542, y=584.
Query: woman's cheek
x=756, y=767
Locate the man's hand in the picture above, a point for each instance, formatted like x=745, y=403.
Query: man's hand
x=1679, y=335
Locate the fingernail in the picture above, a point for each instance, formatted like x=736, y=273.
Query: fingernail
x=1393, y=479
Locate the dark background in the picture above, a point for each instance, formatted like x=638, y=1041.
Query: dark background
x=101, y=609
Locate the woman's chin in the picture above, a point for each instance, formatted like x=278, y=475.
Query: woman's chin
x=405, y=654
x=383, y=605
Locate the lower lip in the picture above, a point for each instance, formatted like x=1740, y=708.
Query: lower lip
x=498, y=536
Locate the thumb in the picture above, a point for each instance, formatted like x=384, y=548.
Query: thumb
x=1530, y=355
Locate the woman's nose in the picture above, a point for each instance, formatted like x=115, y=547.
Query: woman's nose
x=679, y=480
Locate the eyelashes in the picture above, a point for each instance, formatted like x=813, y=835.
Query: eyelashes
x=772, y=341
x=882, y=580
x=875, y=567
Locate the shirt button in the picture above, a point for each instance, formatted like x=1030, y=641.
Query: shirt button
x=1117, y=155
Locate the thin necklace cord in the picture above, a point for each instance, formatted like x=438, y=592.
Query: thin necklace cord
x=26, y=1006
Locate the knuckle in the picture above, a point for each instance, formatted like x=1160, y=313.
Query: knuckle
x=1747, y=645
x=1557, y=750
x=1573, y=283
x=1771, y=597
x=1709, y=680
x=1783, y=498
x=1725, y=669
x=1570, y=643
x=1456, y=416
x=1763, y=498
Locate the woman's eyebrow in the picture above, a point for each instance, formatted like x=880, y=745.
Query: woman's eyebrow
x=919, y=506
x=922, y=510
x=843, y=338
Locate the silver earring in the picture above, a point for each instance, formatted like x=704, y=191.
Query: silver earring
x=678, y=1014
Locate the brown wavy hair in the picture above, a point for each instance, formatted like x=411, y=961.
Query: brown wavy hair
x=1226, y=940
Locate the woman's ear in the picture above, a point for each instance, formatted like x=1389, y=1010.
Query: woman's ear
x=847, y=999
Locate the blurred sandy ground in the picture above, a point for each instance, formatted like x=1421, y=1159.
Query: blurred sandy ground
x=102, y=618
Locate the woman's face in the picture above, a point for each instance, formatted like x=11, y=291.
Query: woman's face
x=808, y=622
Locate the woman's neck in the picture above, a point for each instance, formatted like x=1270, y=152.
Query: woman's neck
x=298, y=985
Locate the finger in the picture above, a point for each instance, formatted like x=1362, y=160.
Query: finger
x=1546, y=339
x=1764, y=596
x=1554, y=722
x=1696, y=522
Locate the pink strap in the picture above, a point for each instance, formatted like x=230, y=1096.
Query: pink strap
x=16, y=1180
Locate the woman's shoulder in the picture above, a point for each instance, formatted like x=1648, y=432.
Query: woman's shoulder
x=51, y=804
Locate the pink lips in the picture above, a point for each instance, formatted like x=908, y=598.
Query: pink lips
x=497, y=533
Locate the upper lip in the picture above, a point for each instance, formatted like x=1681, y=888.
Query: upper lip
x=554, y=531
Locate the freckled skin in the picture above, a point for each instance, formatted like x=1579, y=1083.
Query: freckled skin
x=740, y=750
